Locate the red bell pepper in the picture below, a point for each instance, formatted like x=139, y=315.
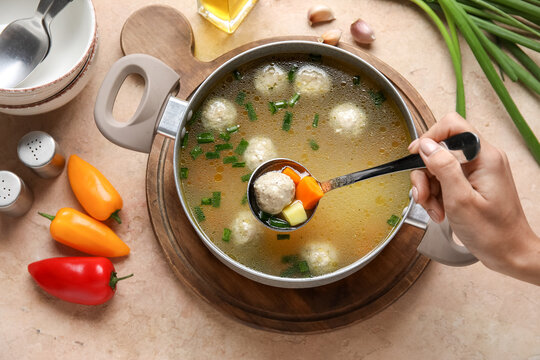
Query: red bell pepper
x=81, y=280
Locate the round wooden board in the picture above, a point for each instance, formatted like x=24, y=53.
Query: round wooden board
x=324, y=308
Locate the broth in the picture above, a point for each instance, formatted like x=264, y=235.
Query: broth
x=351, y=220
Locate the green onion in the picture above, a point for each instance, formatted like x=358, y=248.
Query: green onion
x=240, y=98
x=283, y=236
x=315, y=57
x=263, y=215
x=221, y=147
x=303, y=266
x=241, y=148
x=199, y=214
x=183, y=173
x=289, y=272
x=205, y=138
x=239, y=164
x=377, y=97
x=226, y=235
x=185, y=140
x=244, y=199
x=232, y=129
x=523, y=58
x=393, y=220
x=196, y=115
x=272, y=107
x=237, y=75
x=196, y=152
x=288, y=259
x=287, y=120
x=278, y=223
x=315, y=122
x=225, y=136
x=230, y=160
x=313, y=144
x=292, y=73
x=356, y=80
x=245, y=177
x=212, y=155
x=281, y=104
x=206, y=201
x=507, y=34
x=294, y=99
x=251, y=111
x=216, y=199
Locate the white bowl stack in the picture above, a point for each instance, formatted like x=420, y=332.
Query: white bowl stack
x=68, y=66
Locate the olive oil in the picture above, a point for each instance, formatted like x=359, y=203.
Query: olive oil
x=225, y=14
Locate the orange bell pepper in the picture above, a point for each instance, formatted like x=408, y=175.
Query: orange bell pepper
x=309, y=192
x=95, y=193
x=79, y=231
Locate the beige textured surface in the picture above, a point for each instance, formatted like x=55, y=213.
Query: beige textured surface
x=449, y=313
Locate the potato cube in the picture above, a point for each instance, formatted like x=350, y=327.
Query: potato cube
x=295, y=213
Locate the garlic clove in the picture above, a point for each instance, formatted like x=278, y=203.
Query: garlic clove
x=320, y=13
x=331, y=37
x=362, y=32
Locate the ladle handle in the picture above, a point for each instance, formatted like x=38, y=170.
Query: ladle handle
x=464, y=146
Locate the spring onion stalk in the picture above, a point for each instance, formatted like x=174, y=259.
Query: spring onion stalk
x=507, y=34
x=523, y=58
x=521, y=6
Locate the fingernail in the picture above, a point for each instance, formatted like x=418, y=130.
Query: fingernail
x=413, y=144
x=433, y=215
x=429, y=146
x=415, y=193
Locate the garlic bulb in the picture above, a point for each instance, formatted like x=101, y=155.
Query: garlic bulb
x=320, y=13
x=331, y=37
x=361, y=32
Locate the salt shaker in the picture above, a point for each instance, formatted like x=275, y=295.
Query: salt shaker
x=15, y=197
x=41, y=153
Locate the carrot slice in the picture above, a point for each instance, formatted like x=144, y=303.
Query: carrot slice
x=309, y=192
x=292, y=174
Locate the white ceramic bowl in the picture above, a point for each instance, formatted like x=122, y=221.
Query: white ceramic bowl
x=73, y=34
x=61, y=98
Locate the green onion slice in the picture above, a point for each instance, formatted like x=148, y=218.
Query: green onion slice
x=291, y=74
x=393, y=220
x=230, y=159
x=232, y=129
x=239, y=164
x=212, y=155
x=287, y=120
x=294, y=99
x=281, y=104
x=183, y=173
x=237, y=75
x=272, y=107
x=225, y=136
x=313, y=144
x=377, y=97
x=252, y=115
x=206, y=201
x=244, y=199
x=278, y=223
x=185, y=140
x=199, y=214
x=226, y=235
x=303, y=266
x=196, y=152
x=205, y=138
x=216, y=199
x=240, y=98
x=245, y=177
x=221, y=147
x=241, y=147
x=315, y=122
x=289, y=259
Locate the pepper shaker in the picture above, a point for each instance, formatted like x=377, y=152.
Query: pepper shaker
x=41, y=153
x=15, y=197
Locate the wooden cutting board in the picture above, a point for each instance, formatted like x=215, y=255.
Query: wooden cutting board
x=163, y=32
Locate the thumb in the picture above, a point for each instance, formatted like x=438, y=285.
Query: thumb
x=446, y=168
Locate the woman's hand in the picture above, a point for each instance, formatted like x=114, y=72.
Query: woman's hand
x=480, y=200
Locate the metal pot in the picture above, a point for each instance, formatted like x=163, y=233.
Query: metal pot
x=161, y=113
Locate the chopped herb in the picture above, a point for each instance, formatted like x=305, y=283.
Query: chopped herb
x=212, y=155
x=225, y=136
x=226, y=235
x=196, y=152
x=315, y=57
x=240, y=98
x=315, y=122
x=263, y=215
x=393, y=220
x=183, y=173
x=287, y=120
x=272, y=107
x=239, y=164
x=237, y=75
x=185, y=140
x=356, y=80
x=199, y=214
x=251, y=111
x=245, y=177
x=313, y=144
x=241, y=147
x=297, y=269
x=205, y=138
x=216, y=199
x=283, y=236
x=278, y=223
x=292, y=73
x=221, y=147
x=289, y=272
x=232, y=129
x=281, y=104
x=377, y=97
x=196, y=115
x=206, y=201
x=294, y=99
x=303, y=266
x=244, y=199
x=230, y=159
x=288, y=259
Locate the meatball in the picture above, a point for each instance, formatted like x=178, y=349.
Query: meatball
x=271, y=80
x=273, y=191
x=311, y=81
x=259, y=150
x=245, y=228
x=348, y=119
x=218, y=114
x=321, y=257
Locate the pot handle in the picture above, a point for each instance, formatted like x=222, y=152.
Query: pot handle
x=138, y=132
x=437, y=243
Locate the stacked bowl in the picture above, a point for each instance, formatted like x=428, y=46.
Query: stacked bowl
x=68, y=66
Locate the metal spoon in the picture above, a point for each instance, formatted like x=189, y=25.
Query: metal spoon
x=25, y=43
x=464, y=147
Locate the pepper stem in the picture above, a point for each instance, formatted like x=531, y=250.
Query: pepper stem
x=114, y=279
x=50, y=217
x=116, y=217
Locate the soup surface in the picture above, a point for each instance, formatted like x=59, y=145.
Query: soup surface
x=351, y=221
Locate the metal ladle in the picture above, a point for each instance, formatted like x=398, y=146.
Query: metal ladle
x=464, y=146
